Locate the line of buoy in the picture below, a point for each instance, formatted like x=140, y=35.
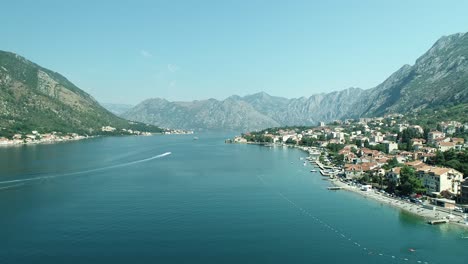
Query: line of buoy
x=336, y=231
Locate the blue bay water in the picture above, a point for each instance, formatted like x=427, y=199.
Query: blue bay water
x=207, y=202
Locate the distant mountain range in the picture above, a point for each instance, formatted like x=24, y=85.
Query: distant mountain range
x=117, y=108
x=35, y=98
x=438, y=78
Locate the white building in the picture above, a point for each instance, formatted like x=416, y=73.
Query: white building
x=391, y=146
x=434, y=135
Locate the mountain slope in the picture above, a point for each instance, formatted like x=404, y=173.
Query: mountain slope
x=206, y=114
x=35, y=98
x=439, y=77
x=251, y=112
x=117, y=109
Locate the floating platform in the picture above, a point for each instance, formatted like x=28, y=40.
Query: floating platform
x=438, y=221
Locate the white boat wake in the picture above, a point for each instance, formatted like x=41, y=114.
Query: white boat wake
x=85, y=171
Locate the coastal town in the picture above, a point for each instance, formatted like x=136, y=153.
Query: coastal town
x=415, y=168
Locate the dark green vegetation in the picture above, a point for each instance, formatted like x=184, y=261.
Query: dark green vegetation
x=452, y=159
x=258, y=138
x=35, y=98
x=431, y=117
x=409, y=182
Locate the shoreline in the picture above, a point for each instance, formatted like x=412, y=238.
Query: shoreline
x=417, y=210
x=20, y=143
x=408, y=207
x=411, y=208
x=41, y=142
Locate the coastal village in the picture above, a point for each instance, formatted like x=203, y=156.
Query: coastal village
x=34, y=137
x=386, y=156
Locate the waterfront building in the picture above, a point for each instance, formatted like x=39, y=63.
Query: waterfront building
x=358, y=170
x=437, y=179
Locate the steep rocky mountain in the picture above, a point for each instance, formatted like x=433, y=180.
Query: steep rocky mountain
x=438, y=78
x=305, y=111
x=35, y=98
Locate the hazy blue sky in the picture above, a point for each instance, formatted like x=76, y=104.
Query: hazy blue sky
x=127, y=51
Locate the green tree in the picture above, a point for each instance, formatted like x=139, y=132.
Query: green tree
x=393, y=163
x=391, y=187
x=365, y=178
x=409, y=182
x=366, y=144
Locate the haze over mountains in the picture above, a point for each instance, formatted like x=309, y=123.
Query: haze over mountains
x=438, y=78
x=117, y=108
x=35, y=98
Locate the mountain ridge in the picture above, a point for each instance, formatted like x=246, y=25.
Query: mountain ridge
x=438, y=77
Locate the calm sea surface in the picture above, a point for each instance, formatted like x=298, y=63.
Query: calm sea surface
x=112, y=200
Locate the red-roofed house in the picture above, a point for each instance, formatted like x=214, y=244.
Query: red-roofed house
x=445, y=146
x=357, y=170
